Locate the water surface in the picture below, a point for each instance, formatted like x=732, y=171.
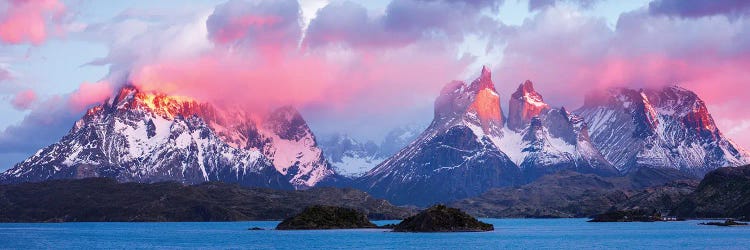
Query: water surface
x=509, y=233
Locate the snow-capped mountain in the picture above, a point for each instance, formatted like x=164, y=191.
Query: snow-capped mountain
x=467, y=149
x=398, y=138
x=352, y=158
x=150, y=137
x=659, y=128
x=551, y=139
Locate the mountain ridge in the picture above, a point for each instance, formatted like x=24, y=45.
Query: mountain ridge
x=151, y=137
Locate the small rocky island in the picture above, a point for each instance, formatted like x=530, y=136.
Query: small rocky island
x=627, y=216
x=726, y=223
x=440, y=218
x=326, y=217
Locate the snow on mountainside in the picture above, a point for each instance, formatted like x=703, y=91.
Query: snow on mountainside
x=468, y=149
x=543, y=140
x=348, y=156
x=353, y=158
x=150, y=137
x=661, y=128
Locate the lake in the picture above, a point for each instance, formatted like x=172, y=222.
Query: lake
x=509, y=233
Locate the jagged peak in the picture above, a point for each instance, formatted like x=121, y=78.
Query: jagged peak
x=486, y=71
x=125, y=93
x=614, y=95
x=678, y=88
x=484, y=81
x=340, y=138
x=452, y=87
x=524, y=105
x=526, y=87
x=285, y=113
x=528, y=94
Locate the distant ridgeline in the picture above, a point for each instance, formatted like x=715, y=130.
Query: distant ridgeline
x=631, y=139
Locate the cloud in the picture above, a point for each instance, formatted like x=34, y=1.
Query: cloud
x=699, y=8
x=49, y=119
x=136, y=37
x=256, y=23
x=404, y=22
x=44, y=125
x=88, y=94
x=365, y=77
x=30, y=21
x=24, y=99
x=5, y=74
x=541, y=4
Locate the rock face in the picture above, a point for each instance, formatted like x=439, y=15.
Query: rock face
x=150, y=137
x=100, y=199
x=440, y=218
x=326, y=217
x=723, y=193
x=658, y=128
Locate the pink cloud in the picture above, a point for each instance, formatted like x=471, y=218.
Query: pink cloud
x=256, y=23
x=29, y=20
x=260, y=69
x=24, y=99
x=361, y=82
x=89, y=94
x=239, y=27
x=5, y=74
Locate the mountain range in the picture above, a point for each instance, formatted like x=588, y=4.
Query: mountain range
x=471, y=146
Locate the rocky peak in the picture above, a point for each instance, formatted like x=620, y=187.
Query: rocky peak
x=288, y=123
x=483, y=82
x=637, y=103
x=534, y=130
x=166, y=106
x=478, y=103
x=686, y=106
x=484, y=108
x=524, y=105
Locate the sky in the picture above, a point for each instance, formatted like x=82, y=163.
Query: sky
x=360, y=67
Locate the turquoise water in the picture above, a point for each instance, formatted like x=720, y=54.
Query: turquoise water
x=509, y=233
